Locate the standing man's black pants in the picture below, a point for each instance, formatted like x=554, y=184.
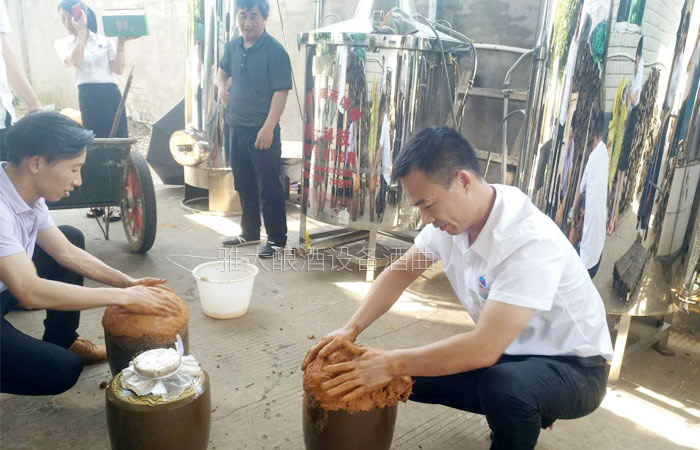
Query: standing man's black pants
x=29, y=366
x=519, y=395
x=256, y=174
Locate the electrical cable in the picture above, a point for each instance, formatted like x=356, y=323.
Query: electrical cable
x=444, y=66
x=447, y=27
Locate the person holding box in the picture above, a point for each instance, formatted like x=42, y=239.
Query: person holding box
x=97, y=62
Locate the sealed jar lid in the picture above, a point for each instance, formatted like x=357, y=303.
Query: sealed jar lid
x=158, y=362
x=161, y=372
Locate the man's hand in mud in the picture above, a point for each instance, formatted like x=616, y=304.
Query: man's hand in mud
x=372, y=370
x=330, y=343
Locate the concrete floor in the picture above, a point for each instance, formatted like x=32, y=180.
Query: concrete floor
x=254, y=361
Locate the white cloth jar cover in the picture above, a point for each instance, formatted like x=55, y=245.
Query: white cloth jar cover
x=163, y=372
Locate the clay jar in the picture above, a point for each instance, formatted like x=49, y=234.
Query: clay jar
x=152, y=422
x=128, y=334
x=344, y=430
x=365, y=423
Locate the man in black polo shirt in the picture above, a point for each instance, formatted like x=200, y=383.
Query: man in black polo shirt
x=255, y=76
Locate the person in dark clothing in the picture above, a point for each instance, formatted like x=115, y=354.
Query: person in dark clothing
x=254, y=79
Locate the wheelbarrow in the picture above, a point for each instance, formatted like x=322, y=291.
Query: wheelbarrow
x=114, y=176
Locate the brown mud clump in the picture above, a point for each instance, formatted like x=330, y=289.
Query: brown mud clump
x=128, y=334
x=397, y=390
x=118, y=322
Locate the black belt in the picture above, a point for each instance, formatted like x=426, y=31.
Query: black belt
x=581, y=361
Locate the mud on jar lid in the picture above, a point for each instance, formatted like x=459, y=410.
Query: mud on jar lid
x=398, y=389
x=161, y=372
x=120, y=322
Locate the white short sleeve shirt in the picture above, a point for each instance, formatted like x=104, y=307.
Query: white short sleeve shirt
x=594, y=184
x=5, y=93
x=99, y=52
x=19, y=222
x=522, y=258
x=638, y=81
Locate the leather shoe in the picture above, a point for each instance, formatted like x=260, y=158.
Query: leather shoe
x=89, y=352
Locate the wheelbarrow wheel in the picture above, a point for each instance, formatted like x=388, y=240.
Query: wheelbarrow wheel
x=138, y=204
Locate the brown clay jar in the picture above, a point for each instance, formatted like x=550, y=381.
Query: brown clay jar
x=345, y=430
x=150, y=422
x=365, y=423
x=128, y=334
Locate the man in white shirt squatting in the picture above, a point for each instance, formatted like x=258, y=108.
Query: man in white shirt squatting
x=539, y=347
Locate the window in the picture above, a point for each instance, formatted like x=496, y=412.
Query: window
x=631, y=11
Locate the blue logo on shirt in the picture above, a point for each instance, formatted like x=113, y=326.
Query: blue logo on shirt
x=483, y=288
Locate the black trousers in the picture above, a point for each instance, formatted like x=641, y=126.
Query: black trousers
x=256, y=175
x=30, y=366
x=594, y=270
x=519, y=395
x=98, y=105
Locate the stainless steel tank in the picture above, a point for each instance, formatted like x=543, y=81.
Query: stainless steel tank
x=371, y=82
x=201, y=146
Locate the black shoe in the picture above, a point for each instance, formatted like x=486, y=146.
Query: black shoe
x=235, y=241
x=94, y=212
x=269, y=250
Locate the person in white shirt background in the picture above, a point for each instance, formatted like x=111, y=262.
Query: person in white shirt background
x=541, y=339
x=634, y=92
x=11, y=75
x=97, y=62
x=594, y=184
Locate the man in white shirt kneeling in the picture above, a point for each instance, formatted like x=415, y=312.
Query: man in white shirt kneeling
x=539, y=347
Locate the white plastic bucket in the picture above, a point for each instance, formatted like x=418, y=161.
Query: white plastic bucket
x=224, y=289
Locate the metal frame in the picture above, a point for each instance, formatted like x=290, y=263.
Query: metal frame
x=325, y=240
x=658, y=339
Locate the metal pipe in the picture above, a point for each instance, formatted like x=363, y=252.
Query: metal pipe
x=535, y=92
x=504, y=135
x=500, y=48
x=493, y=140
x=444, y=66
x=318, y=13
x=506, y=99
x=432, y=10
x=450, y=31
x=509, y=74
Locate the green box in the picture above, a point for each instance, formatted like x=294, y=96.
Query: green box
x=125, y=22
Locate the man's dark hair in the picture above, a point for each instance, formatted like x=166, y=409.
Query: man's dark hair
x=50, y=135
x=598, y=124
x=640, y=47
x=248, y=5
x=439, y=152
